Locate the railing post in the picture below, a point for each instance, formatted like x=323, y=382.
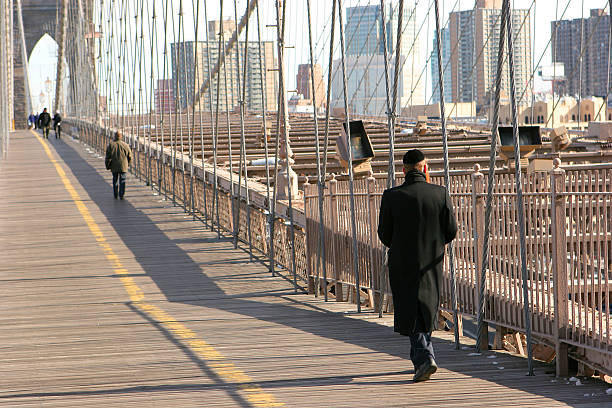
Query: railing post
x=478, y=216
x=374, y=292
x=333, y=210
x=311, y=279
x=559, y=265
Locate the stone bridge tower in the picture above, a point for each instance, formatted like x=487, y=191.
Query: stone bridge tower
x=41, y=17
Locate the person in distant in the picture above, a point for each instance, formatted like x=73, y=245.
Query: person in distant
x=36, y=120
x=416, y=221
x=57, y=125
x=31, y=120
x=44, y=122
x=118, y=158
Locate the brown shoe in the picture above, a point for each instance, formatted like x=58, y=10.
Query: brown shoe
x=425, y=371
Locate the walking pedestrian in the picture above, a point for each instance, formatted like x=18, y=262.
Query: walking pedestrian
x=118, y=158
x=416, y=221
x=44, y=122
x=31, y=120
x=57, y=125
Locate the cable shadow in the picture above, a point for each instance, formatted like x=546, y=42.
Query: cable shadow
x=141, y=233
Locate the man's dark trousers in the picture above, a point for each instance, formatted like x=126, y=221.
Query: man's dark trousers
x=119, y=184
x=421, y=348
x=45, y=130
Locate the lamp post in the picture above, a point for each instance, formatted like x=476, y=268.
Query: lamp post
x=48, y=87
x=42, y=97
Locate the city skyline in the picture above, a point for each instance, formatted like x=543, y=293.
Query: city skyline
x=298, y=38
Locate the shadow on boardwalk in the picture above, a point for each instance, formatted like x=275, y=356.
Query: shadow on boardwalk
x=139, y=233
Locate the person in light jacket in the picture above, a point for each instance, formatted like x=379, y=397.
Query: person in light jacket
x=118, y=158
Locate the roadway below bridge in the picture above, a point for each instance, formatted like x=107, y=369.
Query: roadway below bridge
x=134, y=303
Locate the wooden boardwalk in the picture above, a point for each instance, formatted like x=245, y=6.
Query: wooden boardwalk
x=132, y=303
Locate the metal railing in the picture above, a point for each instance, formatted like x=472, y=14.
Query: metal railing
x=568, y=234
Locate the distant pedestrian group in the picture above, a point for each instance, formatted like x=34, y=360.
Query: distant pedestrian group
x=43, y=122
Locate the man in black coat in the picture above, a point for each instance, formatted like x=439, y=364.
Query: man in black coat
x=57, y=125
x=44, y=122
x=416, y=222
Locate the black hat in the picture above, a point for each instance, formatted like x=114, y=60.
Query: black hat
x=413, y=156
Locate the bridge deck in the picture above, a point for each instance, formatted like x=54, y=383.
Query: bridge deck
x=132, y=303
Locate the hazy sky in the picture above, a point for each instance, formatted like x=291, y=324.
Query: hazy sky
x=543, y=12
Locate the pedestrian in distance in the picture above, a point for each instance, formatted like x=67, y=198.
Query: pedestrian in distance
x=118, y=158
x=36, y=120
x=44, y=122
x=57, y=125
x=416, y=221
x=31, y=120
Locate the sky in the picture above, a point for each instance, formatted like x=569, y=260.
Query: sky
x=543, y=12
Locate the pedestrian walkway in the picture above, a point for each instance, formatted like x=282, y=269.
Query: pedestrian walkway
x=133, y=303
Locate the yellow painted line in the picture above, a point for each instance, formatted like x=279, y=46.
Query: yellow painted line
x=214, y=358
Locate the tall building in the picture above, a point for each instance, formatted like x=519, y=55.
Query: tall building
x=474, y=40
x=589, y=38
x=164, y=96
x=185, y=82
x=446, y=68
x=365, y=59
x=304, y=83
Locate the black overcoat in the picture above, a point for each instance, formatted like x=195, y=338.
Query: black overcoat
x=416, y=221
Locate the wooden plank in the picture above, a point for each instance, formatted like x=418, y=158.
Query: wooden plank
x=71, y=336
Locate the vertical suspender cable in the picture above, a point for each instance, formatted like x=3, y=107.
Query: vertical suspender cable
x=605, y=102
x=229, y=140
x=177, y=93
x=196, y=80
x=391, y=128
x=214, y=125
x=264, y=102
x=350, y=158
x=181, y=49
x=241, y=104
x=313, y=96
x=451, y=257
x=153, y=39
x=60, y=54
x=241, y=116
x=326, y=137
x=554, y=56
x=395, y=84
x=141, y=65
x=215, y=135
x=519, y=189
x=122, y=59
x=533, y=61
x=244, y=160
x=580, y=63
x=482, y=337
x=166, y=107
x=280, y=29
x=276, y=151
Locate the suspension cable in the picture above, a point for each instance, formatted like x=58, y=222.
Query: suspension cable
x=326, y=134
x=350, y=156
x=483, y=336
x=313, y=97
x=519, y=191
x=451, y=254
